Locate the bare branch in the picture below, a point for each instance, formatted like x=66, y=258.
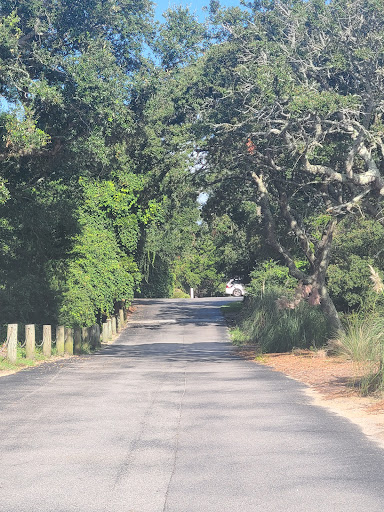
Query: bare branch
x=297, y=229
x=270, y=227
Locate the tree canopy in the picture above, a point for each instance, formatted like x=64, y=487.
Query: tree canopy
x=291, y=114
x=111, y=125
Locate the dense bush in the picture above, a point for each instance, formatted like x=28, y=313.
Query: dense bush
x=358, y=244
x=158, y=278
x=270, y=274
x=280, y=330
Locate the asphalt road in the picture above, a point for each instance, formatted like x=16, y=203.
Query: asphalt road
x=169, y=419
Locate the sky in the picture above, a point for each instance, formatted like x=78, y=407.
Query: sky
x=195, y=6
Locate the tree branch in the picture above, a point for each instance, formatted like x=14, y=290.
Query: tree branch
x=296, y=228
x=270, y=228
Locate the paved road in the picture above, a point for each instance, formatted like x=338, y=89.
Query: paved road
x=168, y=419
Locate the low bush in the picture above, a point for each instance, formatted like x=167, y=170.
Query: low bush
x=362, y=341
x=262, y=323
x=179, y=294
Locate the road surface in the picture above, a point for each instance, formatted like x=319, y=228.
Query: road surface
x=169, y=419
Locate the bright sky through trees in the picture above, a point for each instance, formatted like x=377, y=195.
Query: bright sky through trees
x=196, y=6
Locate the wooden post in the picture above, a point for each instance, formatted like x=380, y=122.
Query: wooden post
x=86, y=333
x=105, y=332
x=68, y=343
x=60, y=339
x=113, y=326
x=109, y=328
x=47, y=340
x=30, y=341
x=77, y=341
x=12, y=343
x=91, y=337
x=97, y=335
x=121, y=317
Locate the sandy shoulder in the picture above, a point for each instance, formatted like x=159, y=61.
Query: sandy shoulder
x=330, y=385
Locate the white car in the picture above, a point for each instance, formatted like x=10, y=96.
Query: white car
x=235, y=288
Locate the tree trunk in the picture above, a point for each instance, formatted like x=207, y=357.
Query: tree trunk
x=328, y=308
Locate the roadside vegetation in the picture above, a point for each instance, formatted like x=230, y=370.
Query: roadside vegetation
x=142, y=159
x=277, y=319
x=271, y=329
x=22, y=362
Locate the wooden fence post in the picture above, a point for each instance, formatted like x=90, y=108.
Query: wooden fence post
x=68, y=343
x=60, y=340
x=12, y=343
x=77, y=341
x=113, y=319
x=86, y=333
x=109, y=328
x=30, y=341
x=105, y=332
x=97, y=335
x=121, y=317
x=90, y=335
x=47, y=340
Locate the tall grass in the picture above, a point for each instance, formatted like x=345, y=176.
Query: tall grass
x=280, y=330
x=363, y=342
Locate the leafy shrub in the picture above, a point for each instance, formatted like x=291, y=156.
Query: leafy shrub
x=270, y=274
x=99, y=272
x=179, y=294
x=98, y=275
x=357, y=244
x=158, y=278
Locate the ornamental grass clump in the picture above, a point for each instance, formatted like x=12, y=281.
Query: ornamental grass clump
x=363, y=342
x=273, y=328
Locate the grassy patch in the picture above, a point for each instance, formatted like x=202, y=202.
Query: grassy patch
x=21, y=360
x=232, y=313
x=261, y=323
x=362, y=341
x=180, y=294
x=232, y=307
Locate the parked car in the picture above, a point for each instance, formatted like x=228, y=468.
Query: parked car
x=235, y=288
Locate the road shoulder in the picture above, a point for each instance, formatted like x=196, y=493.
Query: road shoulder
x=331, y=384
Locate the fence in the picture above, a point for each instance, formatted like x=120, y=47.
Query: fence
x=68, y=340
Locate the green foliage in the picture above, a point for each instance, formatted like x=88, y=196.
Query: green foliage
x=236, y=235
x=275, y=330
x=321, y=102
x=36, y=228
x=270, y=274
x=23, y=135
x=358, y=244
x=180, y=294
x=4, y=193
x=180, y=39
x=99, y=272
x=66, y=256
x=197, y=266
x=159, y=279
